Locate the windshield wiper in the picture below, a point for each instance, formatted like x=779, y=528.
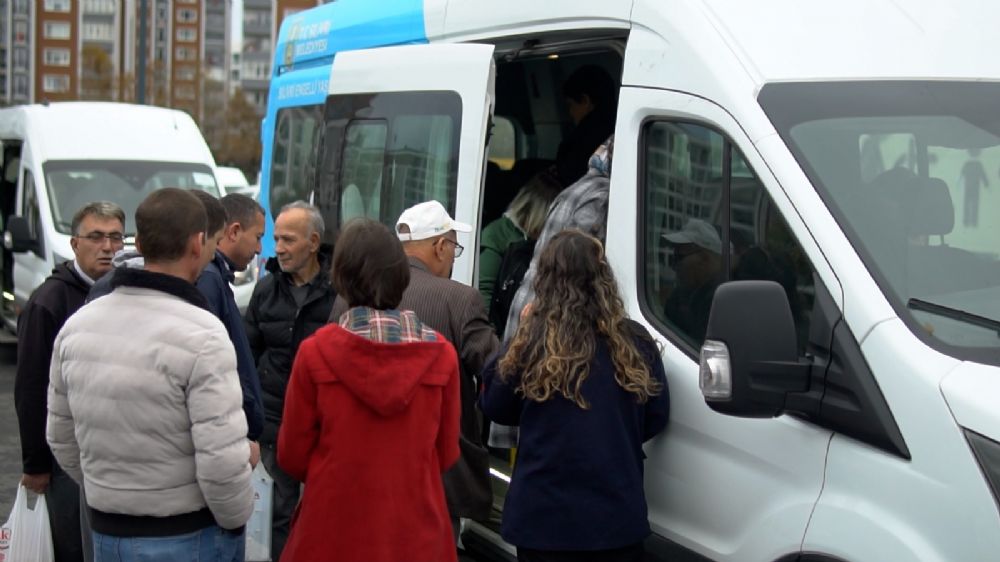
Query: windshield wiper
x=954, y=314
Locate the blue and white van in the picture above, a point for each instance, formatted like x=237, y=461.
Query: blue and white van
x=840, y=400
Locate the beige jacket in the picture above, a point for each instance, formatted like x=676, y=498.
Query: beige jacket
x=145, y=408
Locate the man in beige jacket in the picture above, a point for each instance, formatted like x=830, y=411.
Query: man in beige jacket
x=145, y=406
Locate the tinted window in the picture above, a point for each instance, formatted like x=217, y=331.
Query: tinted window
x=909, y=170
x=74, y=183
x=385, y=152
x=293, y=156
x=707, y=219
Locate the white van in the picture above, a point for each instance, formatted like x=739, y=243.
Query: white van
x=57, y=157
x=846, y=403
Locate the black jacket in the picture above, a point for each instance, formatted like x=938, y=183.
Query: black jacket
x=276, y=326
x=214, y=285
x=55, y=300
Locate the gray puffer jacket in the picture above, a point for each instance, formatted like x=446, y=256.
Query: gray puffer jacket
x=145, y=404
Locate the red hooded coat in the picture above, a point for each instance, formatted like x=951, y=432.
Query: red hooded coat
x=369, y=427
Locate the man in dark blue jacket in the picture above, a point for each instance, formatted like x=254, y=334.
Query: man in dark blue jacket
x=239, y=243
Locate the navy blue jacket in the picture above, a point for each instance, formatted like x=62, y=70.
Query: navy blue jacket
x=578, y=478
x=214, y=285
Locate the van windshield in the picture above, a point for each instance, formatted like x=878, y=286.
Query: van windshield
x=71, y=184
x=911, y=170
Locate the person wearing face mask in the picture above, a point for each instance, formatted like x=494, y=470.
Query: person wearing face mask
x=97, y=233
x=287, y=306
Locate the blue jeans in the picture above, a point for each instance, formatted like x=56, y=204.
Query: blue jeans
x=212, y=544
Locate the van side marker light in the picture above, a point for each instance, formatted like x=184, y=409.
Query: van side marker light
x=714, y=372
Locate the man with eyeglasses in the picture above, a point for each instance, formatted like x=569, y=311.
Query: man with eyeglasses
x=430, y=241
x=97, y=233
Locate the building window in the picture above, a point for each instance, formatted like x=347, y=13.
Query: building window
x=56, y=57
x=185, y=53
x=99, y=6
x=184, y=92
x=98, y=32
x=20, y=32
x=56, y=30
x=20, y=86
x=186, y=73
x=21, y=7
x=55, y=83
x=187, y=34
x=20, y=59
x=56, y=5
x=187, y=15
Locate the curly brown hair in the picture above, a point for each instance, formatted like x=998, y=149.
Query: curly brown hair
x=576, y=301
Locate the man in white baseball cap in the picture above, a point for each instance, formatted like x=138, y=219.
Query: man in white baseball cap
x=430, y=234
x=696, y=259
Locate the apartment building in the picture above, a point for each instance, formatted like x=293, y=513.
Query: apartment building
x=99, y=49
x=261, y=22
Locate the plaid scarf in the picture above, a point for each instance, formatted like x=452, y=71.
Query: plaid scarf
x=386, y=326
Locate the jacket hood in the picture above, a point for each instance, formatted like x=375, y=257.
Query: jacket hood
x=128, y=258
x=384, y=376
x=66, y=273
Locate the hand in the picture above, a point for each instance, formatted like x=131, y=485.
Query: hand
x=526, y=311
x=37, y=483
x=254, y=454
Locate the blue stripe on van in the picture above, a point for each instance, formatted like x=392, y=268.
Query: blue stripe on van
x=307, y=44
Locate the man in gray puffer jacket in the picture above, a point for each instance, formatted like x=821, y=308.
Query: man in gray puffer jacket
x=145, y=405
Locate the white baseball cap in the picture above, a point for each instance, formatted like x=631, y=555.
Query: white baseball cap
x=427, y=220
x=699, y=233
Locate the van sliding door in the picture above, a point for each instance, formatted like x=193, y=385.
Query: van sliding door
x=404, y=125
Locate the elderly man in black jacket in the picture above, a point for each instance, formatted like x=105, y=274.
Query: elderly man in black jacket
x=287, y=306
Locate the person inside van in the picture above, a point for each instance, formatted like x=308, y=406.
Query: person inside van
x=696, y=258
x=586, y=386
x=521, y=222
x=592, y=100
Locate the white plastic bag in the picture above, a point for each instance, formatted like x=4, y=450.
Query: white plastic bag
x=26, y=534
x=258, y=529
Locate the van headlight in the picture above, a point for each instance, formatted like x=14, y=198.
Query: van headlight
x=246, y=276
x=987, y=452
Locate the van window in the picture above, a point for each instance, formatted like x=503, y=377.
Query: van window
x=293, y=156
x=74, y=183
x=708, y=220
x=385, y=152
x=909, y=170
x=503, y=143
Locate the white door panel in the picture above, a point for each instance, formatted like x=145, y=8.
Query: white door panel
x=466, y=69
x=728, y=488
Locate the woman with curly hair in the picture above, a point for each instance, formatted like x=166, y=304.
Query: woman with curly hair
x=587, y=388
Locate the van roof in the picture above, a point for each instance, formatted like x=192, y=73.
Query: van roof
x=854, y=39
x=106, y=131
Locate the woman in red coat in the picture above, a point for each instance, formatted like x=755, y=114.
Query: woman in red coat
x=371, y=419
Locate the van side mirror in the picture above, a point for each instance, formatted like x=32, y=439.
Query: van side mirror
x=17, y=237
x=749, y=361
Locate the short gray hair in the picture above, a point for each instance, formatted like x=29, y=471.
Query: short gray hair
x=101, y=209
x=315, y=218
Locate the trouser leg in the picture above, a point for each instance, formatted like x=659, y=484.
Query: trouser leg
x=62, y=498
x=283, y=500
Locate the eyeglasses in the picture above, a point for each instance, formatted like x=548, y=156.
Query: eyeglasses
x=458, y=247
x=98, y=237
